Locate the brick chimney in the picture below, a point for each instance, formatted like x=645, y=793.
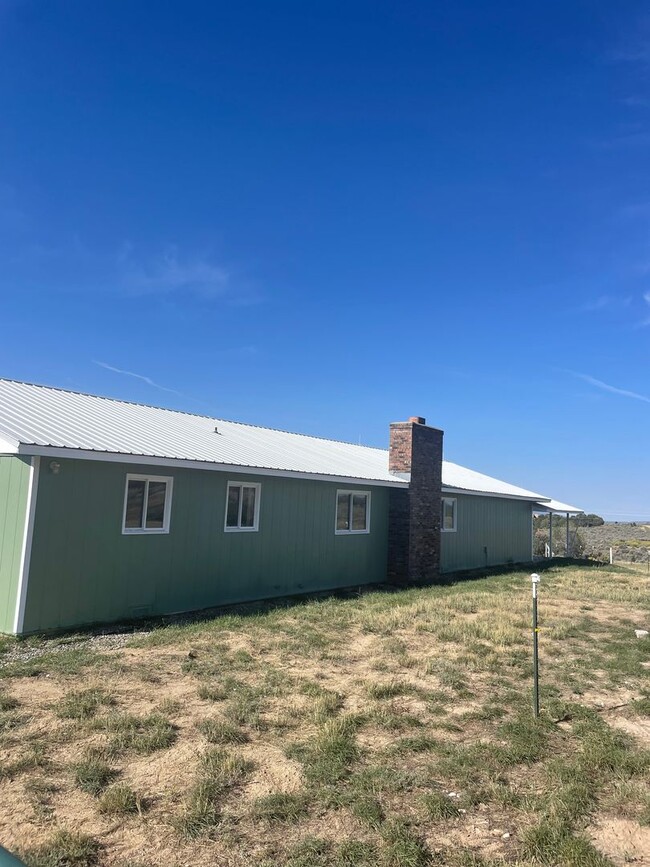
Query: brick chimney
x=415, y=454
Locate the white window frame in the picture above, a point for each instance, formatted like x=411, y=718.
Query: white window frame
x=444, y=500
x=351, y=532
x=156, y=531
x=256, y=517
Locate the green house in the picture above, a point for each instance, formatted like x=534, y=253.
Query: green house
x=112, y=510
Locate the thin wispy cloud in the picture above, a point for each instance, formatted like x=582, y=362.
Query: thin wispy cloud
x=636, y=101
x=597, y=304
x=140, y=376
x=634, y=210
x=612, y=389
x=172, y=273
x=604, y=302
x=645, y=322
x=632, y=139
x=633, y=46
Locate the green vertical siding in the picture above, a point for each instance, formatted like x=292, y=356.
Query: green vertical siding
x=84, y=570
x=501, y=526
x=14, y=487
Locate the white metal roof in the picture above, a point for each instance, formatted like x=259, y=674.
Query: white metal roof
x=455, y=476
x=556, y=506
x=36, y=419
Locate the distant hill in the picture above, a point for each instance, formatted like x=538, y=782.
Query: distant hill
x=630, y=541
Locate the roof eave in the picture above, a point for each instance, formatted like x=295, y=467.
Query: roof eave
x=528, y=498
x=184, y=463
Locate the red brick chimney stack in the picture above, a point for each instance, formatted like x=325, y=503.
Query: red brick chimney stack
x=415, y=452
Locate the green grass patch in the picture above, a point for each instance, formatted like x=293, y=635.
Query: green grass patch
x=218, y=731
x=309, y=852
x=281, y=807
x=64, y=849
x=356, y=853
x=119, y=800
x=381, y=779
x=439, y=807
x=390, y=689
x=403, y=846
x=416, y=744
x=641, y=706
x=326, y=702
x=64, y=663
x=143, y=735
x=92, y=775
x=219, y=772
x=552, y=843
x=332, y=753
x=82, y=704
x=34, y=757
x=212, y=692
x=368, y=810
x=7, y=702
x=392, y=718
x=245, y=706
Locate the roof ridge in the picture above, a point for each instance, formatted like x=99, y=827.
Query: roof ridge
x=185, y=412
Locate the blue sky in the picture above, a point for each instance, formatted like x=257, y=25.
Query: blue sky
x=327, y=216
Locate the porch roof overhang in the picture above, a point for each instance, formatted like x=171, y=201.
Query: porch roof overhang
x=557, y=508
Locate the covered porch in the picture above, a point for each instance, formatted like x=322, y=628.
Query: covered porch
x=551, y=508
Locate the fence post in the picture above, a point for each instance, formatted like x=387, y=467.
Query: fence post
x=535, y=580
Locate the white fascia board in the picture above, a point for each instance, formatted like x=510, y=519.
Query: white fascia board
x=448, y=490
x=152, y=461
x=545, y=510
x=26, y=551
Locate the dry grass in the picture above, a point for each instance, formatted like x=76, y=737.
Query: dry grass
x=390, y=729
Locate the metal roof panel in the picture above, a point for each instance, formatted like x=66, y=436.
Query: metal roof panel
x=36, y=415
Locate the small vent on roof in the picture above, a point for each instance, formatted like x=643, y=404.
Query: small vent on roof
x=216, y=430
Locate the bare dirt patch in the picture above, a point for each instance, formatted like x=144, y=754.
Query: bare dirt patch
x=622, y=840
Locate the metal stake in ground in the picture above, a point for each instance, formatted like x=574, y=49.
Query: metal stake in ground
x=535, y=579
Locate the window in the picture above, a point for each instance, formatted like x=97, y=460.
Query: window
x=448, y=524
x=352, y=512
x=147, y=504
x=242, y=507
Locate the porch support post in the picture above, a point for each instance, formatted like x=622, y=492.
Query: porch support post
x=567, y=535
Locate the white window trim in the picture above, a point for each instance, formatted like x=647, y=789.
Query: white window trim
x=256, y=518
x=351, y=532
x=150, y=531
x=442, y=515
